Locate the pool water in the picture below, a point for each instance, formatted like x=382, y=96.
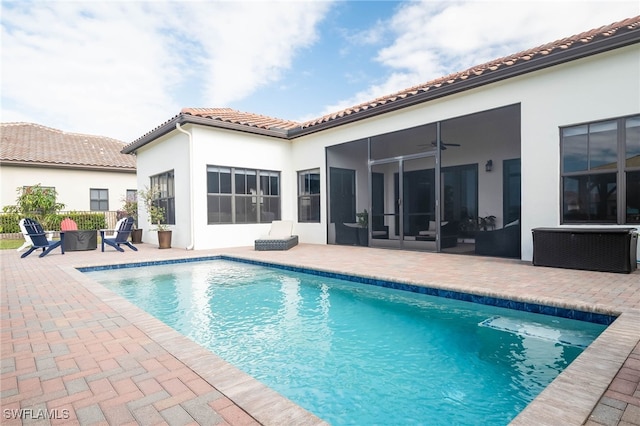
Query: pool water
x=360, y=354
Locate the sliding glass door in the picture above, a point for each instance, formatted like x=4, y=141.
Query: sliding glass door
x=403, y=210
x=385, y=215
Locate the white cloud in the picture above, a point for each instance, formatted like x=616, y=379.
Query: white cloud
x=251, y=43
x=468, y=33
x=433, y=39
x=120, y=68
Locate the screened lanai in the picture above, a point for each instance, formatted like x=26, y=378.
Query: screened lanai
x=443, y=186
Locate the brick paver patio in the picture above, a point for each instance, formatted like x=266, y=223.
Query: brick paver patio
x=78, y=353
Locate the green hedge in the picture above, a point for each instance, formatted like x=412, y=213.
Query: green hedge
x=87, y=221
x=9, y=222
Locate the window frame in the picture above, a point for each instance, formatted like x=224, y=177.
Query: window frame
x=612, y=209
x=99, y=199
x=305, y=193
x=247, y=198
x=165, y=182
x=131, y=195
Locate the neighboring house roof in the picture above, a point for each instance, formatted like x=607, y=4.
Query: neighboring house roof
x=613, y=36
x=29, y=144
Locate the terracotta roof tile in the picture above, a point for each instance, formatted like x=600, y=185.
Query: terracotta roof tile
x=244, y=118
x=507, y=61
x=33, y=143
x=288, y=128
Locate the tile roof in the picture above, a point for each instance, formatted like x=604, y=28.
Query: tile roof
x=587, y=43
x=28, y=143
x=243, y=118
x=561, y=45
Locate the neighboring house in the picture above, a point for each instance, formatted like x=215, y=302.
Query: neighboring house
x=88, y=172
x=545, y=137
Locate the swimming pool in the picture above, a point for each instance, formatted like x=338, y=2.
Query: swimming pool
x=352, y=353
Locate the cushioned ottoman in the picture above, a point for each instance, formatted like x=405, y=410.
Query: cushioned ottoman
x=266, y=243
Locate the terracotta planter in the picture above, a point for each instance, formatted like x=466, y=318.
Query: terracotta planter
x=164, y=239
x=136, y=236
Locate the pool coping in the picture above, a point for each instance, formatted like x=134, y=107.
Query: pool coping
x=569, y=399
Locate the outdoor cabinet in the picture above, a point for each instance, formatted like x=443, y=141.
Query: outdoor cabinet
x=594, y=249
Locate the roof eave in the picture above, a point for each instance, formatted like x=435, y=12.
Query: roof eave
x=84, y=167
x=488, y=77
x=603, y=44
x=181, y=119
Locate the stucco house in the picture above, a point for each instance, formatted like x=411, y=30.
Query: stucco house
x=89, y=173
x=547, y=137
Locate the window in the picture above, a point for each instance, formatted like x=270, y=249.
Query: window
x=99, y=199
x=219, y=195
x=601, y=172
x=132, y=195
x=166, y=196
x=309, y=196
x=236, y=195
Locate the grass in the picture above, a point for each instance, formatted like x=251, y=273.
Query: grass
x=10, y=244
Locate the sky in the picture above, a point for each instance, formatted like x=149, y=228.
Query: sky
x=121, y=68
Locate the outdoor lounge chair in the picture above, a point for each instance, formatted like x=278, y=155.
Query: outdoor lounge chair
x=279, y=237
x=448, y=233
x=27, y=238
x=68, y=224
x=120, y=235
x=503, y=242
x=38, y=238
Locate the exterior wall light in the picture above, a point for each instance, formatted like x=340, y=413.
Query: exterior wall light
x=489, y=166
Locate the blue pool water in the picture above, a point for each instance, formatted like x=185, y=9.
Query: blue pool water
x=360, y=354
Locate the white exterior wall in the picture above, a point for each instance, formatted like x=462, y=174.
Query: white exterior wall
x=167, y=153
x=218, y=147
x=72, y=185
x=595, y=88
x=214, y=147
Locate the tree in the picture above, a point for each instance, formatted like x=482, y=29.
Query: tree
x=37, y=202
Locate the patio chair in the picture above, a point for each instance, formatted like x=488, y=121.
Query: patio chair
x=120, y=235
x=38, y=238
x=279, y=237
x=68, y=224
x=27, y=238
x=448, y=233
x=503, y=242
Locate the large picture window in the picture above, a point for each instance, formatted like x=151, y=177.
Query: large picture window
x=309, y=196
x=236, y=195
x=601, y=172
x=166, y=195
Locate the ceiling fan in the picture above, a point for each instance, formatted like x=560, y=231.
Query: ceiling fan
x=443, y=145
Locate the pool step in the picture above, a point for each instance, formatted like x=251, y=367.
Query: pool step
x=531, y=329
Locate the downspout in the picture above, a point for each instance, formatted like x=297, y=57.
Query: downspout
x=191, y=226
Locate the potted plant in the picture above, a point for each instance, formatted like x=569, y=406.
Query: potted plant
x=155, y=215
x=130, y=208
x=363, y=227
x=487, y=222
